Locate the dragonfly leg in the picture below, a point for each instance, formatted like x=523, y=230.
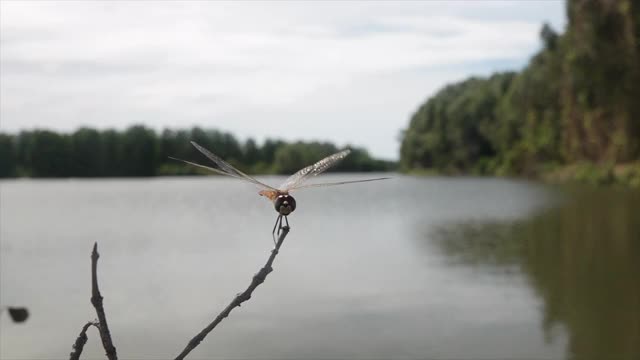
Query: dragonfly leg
x=286, y=219
x=278, y=220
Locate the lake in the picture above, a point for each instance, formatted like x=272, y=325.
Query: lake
x=412, y=267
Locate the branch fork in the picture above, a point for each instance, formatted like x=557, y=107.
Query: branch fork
x=103, y=328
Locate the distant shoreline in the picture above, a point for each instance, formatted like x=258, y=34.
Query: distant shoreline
x=627, y=175
x=139, y=151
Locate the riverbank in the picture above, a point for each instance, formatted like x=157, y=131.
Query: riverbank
x=588, y=173
x=627, y=175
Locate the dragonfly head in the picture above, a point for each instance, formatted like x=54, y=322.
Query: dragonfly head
x=285, y=204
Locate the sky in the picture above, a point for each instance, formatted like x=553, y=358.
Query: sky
x=346, y=72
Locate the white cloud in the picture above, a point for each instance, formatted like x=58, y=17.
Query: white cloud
x=346, y=72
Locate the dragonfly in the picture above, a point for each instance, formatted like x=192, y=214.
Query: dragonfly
x=280, y=196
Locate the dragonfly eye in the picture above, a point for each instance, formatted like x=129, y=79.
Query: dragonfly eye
x=285, y=204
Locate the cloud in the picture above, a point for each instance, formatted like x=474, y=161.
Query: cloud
x=298, y=70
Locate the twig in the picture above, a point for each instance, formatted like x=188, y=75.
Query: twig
x=81, y=341
x=96, y=300
x=239, y=299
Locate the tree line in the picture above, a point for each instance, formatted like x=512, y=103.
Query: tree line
x=141, y=151
x=575, y=103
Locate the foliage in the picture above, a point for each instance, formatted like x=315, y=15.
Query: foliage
x=574, y=103
x=7, y=156
x=140, y=151
x=456, y=129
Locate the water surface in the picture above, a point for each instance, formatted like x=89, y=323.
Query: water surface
x=405, y=268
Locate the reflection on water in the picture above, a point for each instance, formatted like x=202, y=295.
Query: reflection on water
x=581, y=258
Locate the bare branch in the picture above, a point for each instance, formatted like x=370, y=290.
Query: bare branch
x=96, y=300
x=239, y=299
x=81, y=341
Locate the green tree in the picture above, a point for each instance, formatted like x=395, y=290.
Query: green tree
x=575, y=101
x=601, y=83
x=114, y=156
x=8, y=156
x=269, y=149
x=139, y=151
x=87, y=158
x=49, y=154
x=250, y=152
x=455, y=129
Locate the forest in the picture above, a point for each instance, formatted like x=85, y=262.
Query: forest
x=140, y=151
x=571, y=114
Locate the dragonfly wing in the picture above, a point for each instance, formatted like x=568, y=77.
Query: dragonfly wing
x=227, y=168
x=217, y=171
x=336, y=183
x=318, y=168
